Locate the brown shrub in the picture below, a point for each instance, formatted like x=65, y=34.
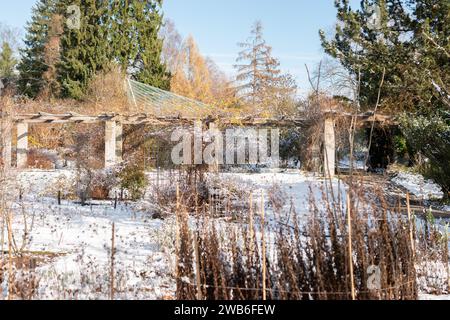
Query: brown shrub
x=306, y=260
x=100, y=192
x=106, y=92
x=38, y=159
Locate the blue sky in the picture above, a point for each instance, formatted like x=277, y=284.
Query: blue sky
x=290, y=27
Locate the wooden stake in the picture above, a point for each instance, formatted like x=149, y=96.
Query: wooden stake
x=411, y=235
x=112, y=259
x=251, y=233
x=350, y=251
x=177, y=233
x=197, y=267
x=4, y=225
x=263, y=240
x=10, y=262
x=446, y=257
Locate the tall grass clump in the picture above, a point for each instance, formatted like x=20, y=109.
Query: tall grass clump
x=321, y=257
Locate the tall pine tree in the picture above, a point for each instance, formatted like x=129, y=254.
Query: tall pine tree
x=84, y=50
x=7, y=61
x=147, y=66
x=123, y=32
x=410, y=42
x=261, y=83
x=32, y=65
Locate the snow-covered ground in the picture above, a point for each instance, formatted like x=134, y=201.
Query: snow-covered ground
x=144, y=260
x=81, y=236
x=358, y=164
x=296, y=188
x=418, y=186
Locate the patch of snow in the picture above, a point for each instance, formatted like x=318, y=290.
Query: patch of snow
x=81, y=238
x=418, y=186
x=144, y=260
x=358, y=164
x=144, y=248
x=434, y=297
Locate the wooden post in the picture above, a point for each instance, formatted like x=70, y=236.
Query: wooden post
x=110, y=143
x=446, y=257
x=329, y=147
x=263, y=241
x=350, y=250
x=112, y=259
x=10, y=262
x=411, y=235
x=218, y=149
x=177, y=234
x=119, y=142
x=251, y=233
x=22, y=145
x=197, y=267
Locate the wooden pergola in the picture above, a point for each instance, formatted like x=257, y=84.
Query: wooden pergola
x=114, y=128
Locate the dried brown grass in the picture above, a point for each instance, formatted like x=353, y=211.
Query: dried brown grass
x=306, y=260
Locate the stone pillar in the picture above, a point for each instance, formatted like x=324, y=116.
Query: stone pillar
x=329, y=147
x=119, y=142
x=22, y=145
x=110, y=144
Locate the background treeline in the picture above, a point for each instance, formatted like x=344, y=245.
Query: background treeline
x=401, y=65
x=59, y=59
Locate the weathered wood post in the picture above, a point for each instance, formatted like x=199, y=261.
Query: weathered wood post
x=217, y=146
x=6, y=143
x=110, y=143
x=329, y=150
x=119, y=142
x=22, y=145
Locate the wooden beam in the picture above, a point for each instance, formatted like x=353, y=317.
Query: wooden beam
x=143, y=118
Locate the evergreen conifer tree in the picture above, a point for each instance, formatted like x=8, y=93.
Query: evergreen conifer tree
x=147, y=64
x=7, y=61
x=84, y=50
x=32, y=65
x=261, y=83
x=410, y=41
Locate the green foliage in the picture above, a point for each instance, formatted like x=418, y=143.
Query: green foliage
x=411, y=42
x=122, y=32
x=84, y=51
x=262, y=85
x=133, y=179
x=430, y=136
x=291, y=143
x=401, y=146
x=32, y=65
x=147, y=62
x=7, y=61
